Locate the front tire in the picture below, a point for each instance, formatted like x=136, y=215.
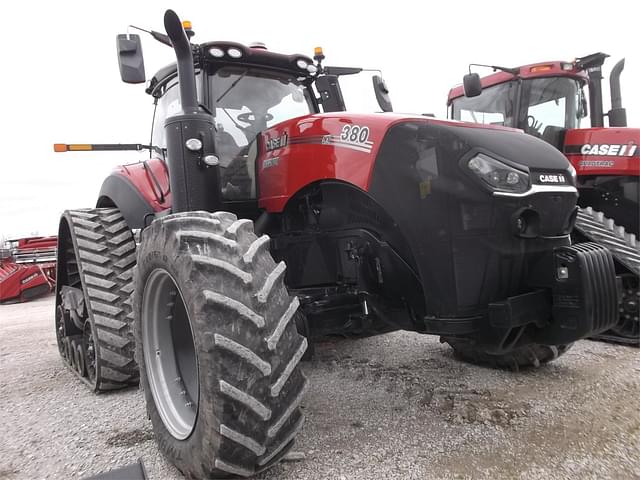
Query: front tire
x=529, y=356
x=217, y=345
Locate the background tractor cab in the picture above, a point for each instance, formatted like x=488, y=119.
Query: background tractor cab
x=561, y=102
x=543, y=99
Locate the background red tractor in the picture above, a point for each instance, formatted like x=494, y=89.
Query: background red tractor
x=549, y=100
x=268, y=216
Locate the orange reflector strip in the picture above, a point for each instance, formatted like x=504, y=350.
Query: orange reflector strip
x=59, y=147
x=541, y=68
x=79, y=147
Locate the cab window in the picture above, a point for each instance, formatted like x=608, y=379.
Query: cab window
x=168, y=105
x=246, y=101
x=494, y=106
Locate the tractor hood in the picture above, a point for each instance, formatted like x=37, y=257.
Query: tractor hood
x=466, y=199
x=347, y=147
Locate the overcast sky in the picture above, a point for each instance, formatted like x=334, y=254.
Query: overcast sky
x=60, y=80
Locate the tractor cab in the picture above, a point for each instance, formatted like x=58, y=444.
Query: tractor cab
x=246, y=90
x=544, y=100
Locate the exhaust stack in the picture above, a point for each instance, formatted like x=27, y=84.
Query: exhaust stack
x=186, y=74
x=194, y=174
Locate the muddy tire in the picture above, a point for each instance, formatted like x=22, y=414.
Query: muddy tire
x=530, y=356
x=99, y=258
x=217, y=345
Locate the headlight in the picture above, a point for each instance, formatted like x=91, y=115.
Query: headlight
x=216, y=52
x=497, y=175
x=234, y=52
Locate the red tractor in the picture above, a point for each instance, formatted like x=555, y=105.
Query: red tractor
x=27, y=269
x=268, y=216
x=548, y=100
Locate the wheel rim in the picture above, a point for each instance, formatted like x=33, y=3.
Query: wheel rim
x=169, y=354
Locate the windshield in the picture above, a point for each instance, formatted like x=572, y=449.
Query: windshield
x=549, y=104
x=494, y=106
x=546, y=105
x=246, y=101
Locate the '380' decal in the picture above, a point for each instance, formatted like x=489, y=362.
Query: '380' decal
x=354, y=137
x=355, y=134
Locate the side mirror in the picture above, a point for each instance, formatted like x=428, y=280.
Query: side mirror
x=584, y=109
x=330, y=93
x=471, y=84
x=382, y=93
x=130, y=58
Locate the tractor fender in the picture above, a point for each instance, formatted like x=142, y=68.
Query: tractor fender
x=118, y=191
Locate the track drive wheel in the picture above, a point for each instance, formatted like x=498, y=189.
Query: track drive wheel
x=520, y=358
x=217, y=345
x=96, y=260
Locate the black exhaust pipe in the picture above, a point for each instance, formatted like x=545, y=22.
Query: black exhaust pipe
x=194, y=174
x=186, y=74
x=617, y=115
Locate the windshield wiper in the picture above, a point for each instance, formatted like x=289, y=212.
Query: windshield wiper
x=232, y=85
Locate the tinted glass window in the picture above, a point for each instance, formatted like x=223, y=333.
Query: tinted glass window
x=550, y=102
x=495, y=106
x=245, y=102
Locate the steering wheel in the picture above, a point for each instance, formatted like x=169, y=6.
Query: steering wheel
x=250, y=117
x=533, y=126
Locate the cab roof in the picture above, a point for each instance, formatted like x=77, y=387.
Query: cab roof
x=534, y=70
x=254, y=56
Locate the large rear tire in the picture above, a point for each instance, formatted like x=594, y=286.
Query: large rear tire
x=217, y=345
x=530, y=356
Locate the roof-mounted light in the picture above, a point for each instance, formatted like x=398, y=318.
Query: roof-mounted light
x=234, y=52
x=541, y=68
x=216, y=52
x=186, y=24
x=318, y=54
x=258, y=45
x=566, y=66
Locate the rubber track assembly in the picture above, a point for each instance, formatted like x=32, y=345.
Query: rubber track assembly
x=625, y=249
x=96, y=336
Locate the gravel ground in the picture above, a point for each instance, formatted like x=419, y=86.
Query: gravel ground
x=398, y=406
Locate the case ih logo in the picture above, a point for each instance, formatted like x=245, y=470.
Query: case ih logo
x=279, y=142
x=551, y=178
x=608, y=149
x=29, y=278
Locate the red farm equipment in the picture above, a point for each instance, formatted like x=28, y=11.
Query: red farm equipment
x=27, y=268
x=548, y=100
x=269, y=216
